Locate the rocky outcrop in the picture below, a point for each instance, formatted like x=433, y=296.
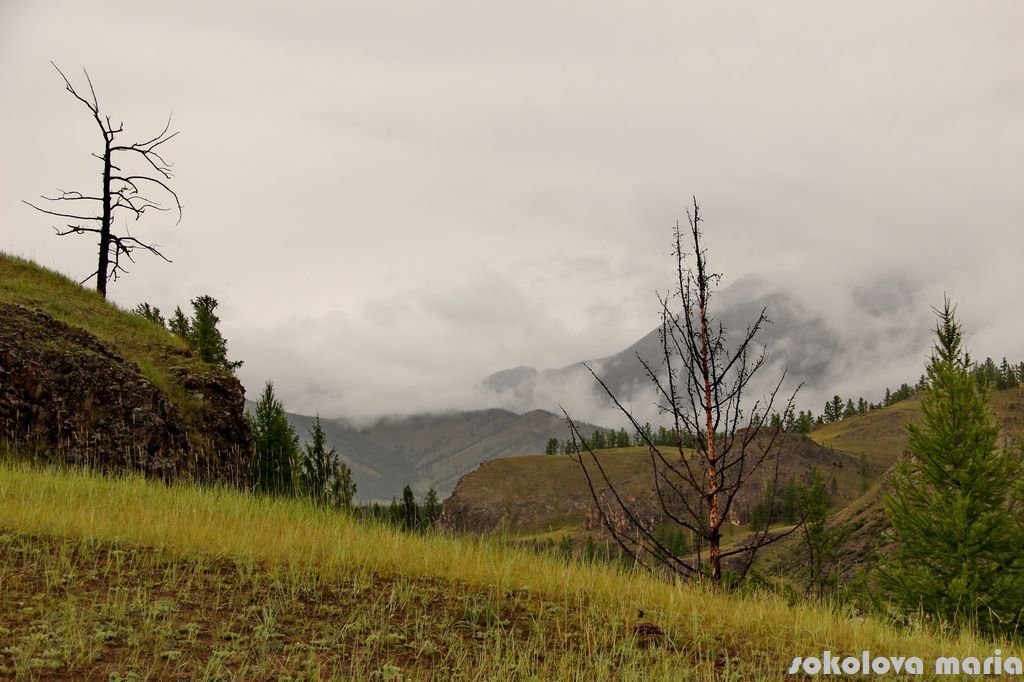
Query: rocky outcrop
x=480, y=504
x=219, y=439
x=65, y=395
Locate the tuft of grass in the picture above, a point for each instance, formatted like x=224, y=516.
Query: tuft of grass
x=212, y=583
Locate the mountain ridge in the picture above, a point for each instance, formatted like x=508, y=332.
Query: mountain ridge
x=431, y=450
x=805, y=344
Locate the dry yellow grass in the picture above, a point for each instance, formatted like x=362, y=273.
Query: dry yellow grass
x=751, y=636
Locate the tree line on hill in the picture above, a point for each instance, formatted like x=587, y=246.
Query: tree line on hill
x=605, y=439
x=987, y=373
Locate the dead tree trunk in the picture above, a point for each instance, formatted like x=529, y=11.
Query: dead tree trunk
x=102, y=267
x=120, y=193
x=701, y=386
x=714, y=518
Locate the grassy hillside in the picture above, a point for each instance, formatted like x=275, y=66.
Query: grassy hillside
x=882, y=434
x=879, y=435
x=545, y=498
x=114, y=578
x=156, y=351
x=543, y=493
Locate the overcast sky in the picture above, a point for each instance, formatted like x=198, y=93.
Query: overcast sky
x=393, y=200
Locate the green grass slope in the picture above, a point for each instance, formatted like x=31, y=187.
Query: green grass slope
x=156, y=351
x=119, y=578
x=544, y=493
x=881, y=435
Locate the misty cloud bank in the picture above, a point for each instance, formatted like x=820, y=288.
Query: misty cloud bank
x=393, y=202
x=882, y=345
x=879, y=339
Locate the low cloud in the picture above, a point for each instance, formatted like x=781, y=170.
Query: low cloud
x=391, y=205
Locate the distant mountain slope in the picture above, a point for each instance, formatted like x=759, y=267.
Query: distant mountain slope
x=796, y=337
x=444, y=447
x=798, y=340
x=432, y=450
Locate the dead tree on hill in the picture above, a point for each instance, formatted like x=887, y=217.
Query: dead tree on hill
x=701, y=386
x=122, y=192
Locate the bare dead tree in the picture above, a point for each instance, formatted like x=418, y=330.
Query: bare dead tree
x=123, y=192
x=701, y=384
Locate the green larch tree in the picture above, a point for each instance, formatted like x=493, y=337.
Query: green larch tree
x=410, y=511
x=955, y=502
x=205, y=338
x=327, y=480
x=275, y=446
x=432, y=508
x=150, y=312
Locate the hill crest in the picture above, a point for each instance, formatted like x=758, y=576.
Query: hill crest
x=88, y=382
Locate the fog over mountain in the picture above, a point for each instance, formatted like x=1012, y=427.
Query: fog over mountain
x=884, y=350
x=394, y=201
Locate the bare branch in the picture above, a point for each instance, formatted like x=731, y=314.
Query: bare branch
x=61, y=215
x=93, y=107
x=130, y=179
x=76, y=229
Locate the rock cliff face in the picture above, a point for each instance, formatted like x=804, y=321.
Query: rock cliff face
x=66, y=396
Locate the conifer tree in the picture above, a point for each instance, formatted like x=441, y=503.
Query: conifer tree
x=152, y=313
x=954, y=502
x=327, y=480
x=804, y=422
x=200, y=331
x=204, y=337
x=837, y=408
x=275, y=446
x=179, y=324
x=431, y=508
x=316, y=465
x=1007, y=375
x=410, y=511
x=343, y=485
x=850, y=410
x=821, y=539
